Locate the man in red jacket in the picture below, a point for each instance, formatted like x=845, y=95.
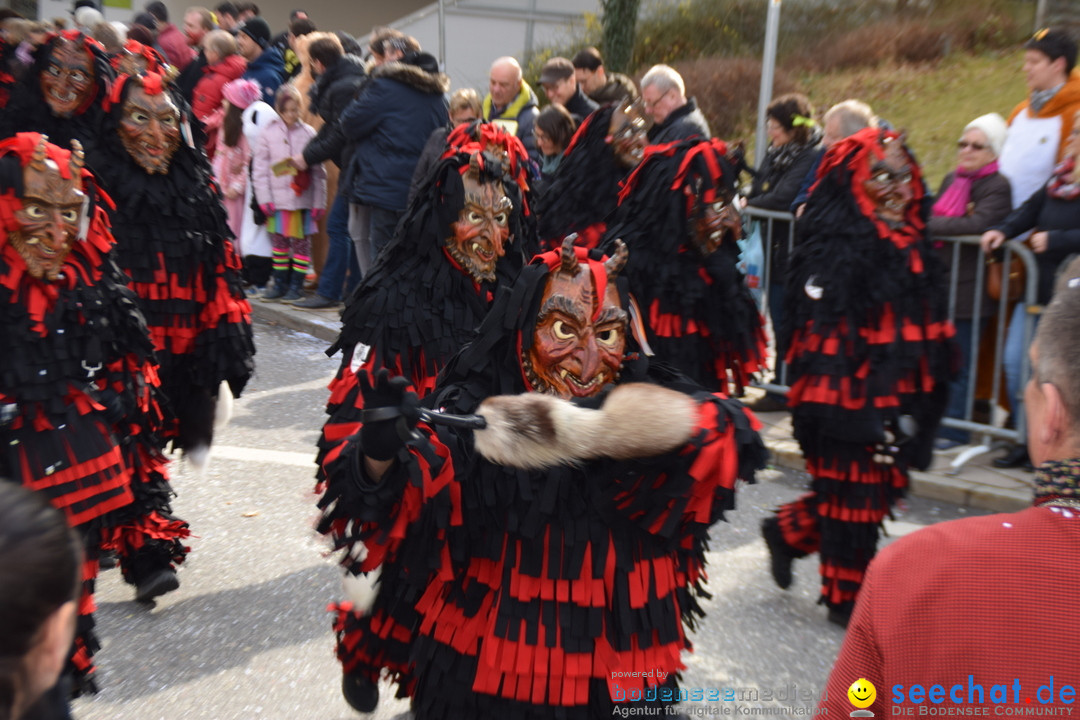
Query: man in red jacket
x=960, y=615
x=172, y=41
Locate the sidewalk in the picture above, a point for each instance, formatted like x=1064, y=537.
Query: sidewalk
x=978, y=484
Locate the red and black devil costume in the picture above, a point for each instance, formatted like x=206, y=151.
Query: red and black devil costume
x=466, y=232
x=173, y=240
x=676, y=217
x=61, y=94
x=563, y=547
x=870, y=352
x=582, y=196
x=79, y=413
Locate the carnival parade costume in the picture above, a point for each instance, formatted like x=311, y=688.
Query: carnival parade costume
x=563, y=546
x=173, y=240
x=467, y=231
x=870, y=352
x=584, y=193
x=675, y=216
x=79, y=412
x=61, y=94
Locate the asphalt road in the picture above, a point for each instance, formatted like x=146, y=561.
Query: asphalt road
x=247, y=634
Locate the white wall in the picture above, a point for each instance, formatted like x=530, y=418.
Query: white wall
x=479, y=32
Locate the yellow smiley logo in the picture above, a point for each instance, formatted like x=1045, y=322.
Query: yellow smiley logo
x=862, y=693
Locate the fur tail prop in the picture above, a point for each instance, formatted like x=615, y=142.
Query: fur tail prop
x=361, y=589
x=637, y=420
x=223, y=411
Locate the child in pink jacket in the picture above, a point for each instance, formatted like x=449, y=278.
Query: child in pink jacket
x=233, y=152
x=292, y=201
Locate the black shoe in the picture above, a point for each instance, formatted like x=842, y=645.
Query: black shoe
x=780, y=555
x=839, y=616
x=316, y=302
x=361, y=694
x=1017, y=457
x=108, y=560
x=768, y=403
x=156, y=584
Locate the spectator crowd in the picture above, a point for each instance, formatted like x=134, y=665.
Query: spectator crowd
x=339, y=173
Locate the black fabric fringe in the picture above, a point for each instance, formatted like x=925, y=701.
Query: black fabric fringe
x=665, y=268
x=548, y=519
x=585, y=188
x=176, y=223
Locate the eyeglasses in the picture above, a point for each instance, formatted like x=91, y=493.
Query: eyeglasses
x=964, y=145
x=654, y=103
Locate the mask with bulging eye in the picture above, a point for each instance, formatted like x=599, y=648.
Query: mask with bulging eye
x=627, y=133
x=889, y=186
x=580, y=335
x=67, y=83
x=150, y=129
x=714, y=223
x=129, y=63
x=482, y=230
x=52, y=211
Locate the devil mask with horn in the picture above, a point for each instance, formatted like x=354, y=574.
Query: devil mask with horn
x=580, y=335
x=51, y=212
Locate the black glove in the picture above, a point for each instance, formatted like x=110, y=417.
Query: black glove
x=390, y=413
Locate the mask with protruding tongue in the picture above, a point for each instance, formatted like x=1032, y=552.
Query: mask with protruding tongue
x=482, y=229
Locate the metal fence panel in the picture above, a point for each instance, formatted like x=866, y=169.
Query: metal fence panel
x=985, y=432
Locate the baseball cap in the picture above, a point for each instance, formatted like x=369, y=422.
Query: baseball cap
x=556, y=69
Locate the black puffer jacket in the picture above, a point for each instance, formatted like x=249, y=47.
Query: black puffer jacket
x=1061, y=219
x=330, y=95
x=390, y=123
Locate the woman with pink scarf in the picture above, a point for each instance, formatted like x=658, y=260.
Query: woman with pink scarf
x=972, y=198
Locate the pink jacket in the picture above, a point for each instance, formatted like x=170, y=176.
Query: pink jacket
x=277, y=142
x=231, y=166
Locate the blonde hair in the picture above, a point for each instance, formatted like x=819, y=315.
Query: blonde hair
x=466, y=99
x=287, y=92
x=221, y=42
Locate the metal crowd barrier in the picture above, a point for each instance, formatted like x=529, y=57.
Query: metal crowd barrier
x=985, y=436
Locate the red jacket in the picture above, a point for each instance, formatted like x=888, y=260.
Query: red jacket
x=962, y=613
x=175, y=46
x=206, y=98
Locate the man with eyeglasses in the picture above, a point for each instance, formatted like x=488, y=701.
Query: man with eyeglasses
x=675, y=116
x=562, y=88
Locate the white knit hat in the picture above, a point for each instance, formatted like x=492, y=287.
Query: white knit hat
x=993, y=126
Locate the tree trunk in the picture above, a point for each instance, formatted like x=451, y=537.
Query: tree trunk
x=620, y=21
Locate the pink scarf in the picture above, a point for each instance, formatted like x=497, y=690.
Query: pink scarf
x=954, y=201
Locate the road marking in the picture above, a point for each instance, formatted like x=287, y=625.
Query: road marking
x=316, y=384
x=899, y=528
x=260, y=455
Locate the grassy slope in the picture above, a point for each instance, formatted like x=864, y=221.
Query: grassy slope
x=932, y=102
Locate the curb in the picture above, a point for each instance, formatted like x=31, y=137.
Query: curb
x=322, y=324
x=998, y=492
